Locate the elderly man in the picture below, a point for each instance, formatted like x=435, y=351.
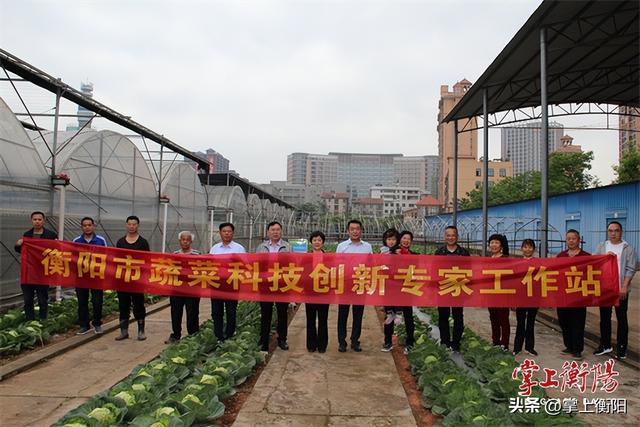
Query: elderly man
x=219, y=306
x=180, y=303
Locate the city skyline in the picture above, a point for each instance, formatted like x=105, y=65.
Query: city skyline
x=277, y=77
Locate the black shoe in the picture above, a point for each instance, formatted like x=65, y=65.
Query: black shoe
x=342, y=348
x=516, y=352
x=356, y=347
x=455, y=348
x=283, y=345
x=621, y=354
x=322, y=350
x=577, y=355
x=602, y=350
x=566, y=351
x=532, y=352
x=311, y=350
x=172, y=339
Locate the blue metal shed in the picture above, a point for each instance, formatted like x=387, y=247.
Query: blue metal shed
x=588, y=211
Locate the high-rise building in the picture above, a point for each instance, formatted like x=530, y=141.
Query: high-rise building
x=629, y=129
x=84, y=115
x=520, y=144
x=467, y=141
x=358, y=172
x=321, y=169
x=297, y=168
x=217, y=162
x=361, y=171
x=417, y=171
x=467, y=150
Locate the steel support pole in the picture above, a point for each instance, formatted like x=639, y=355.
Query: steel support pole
x=544, y=148
x=211, y=212
x=455, y=173
x=62, y=187
x=55, y=135
x=61, y=212
x=164, y=226
x=485, y=171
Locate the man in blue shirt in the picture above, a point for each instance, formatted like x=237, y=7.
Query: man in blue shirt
x=89, y=237
x=354, y=245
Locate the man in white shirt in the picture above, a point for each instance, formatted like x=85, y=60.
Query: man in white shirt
x=218, y=306
x=626, y=269
x=354, y=245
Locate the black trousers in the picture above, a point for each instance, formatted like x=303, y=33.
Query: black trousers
x=192, y=306
x=266, y=314
x=126, y=300
x=83, y=306
x=28, y=294
x=356, y=326
x=623, y=325
x=317, y=332
x=458, y=325
x=526, y=319
x=218, y=307
x=409, y=324
x=572, y=321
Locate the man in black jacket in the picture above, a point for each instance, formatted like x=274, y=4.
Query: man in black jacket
x=29, y=290
x=451, y=248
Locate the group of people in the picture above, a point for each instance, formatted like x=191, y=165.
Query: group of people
x=571, y=320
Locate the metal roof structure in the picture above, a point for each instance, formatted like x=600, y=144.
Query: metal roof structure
x=593, y=56
x=583, y=52
x=231, y=179
x=38, y=77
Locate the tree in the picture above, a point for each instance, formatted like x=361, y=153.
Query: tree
x=567, y=173
x=629, y=167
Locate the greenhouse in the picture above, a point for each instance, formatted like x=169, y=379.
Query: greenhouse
x=110, y=178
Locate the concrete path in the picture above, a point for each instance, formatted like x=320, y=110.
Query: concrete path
x=298, y=388
x=44, y=393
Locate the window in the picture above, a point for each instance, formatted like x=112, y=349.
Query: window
x=478, y=173
x=490, y=172
x=503, y=172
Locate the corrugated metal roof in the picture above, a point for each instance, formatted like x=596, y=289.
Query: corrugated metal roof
x=593, y=56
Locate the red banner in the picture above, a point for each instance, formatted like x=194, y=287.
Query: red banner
x=397, y=280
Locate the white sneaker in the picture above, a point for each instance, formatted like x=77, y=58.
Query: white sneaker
x=390, y=318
